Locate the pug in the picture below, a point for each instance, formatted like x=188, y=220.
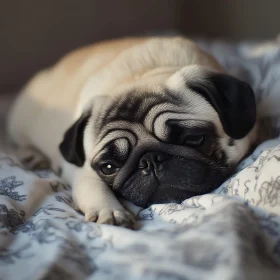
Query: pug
x=150, y=120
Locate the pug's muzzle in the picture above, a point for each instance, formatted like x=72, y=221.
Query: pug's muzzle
x=172, y=176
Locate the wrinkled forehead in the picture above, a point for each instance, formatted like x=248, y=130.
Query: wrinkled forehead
x=134, y=106
x=143, y=115
x=144, y=106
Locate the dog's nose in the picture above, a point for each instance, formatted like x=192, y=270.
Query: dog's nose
x=150, y=161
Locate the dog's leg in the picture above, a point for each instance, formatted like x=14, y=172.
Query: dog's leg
x=97, y=201
x=32, y=159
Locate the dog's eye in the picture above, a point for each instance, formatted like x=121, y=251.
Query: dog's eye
x=108, y=169
x=194, y=140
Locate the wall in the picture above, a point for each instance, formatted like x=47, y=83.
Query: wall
x=34, y=34
x=234, y=19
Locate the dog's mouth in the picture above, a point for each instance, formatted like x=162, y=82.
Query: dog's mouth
x=168, y=194
x=164, y=178
x=165, y=187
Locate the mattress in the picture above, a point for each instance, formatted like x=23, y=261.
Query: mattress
x=231, y=233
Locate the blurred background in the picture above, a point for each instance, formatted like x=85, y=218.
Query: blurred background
x=34, y=34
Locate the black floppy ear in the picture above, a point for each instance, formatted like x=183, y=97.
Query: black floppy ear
x=72, y=148
x=233, y=100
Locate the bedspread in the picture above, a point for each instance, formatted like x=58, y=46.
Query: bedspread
x=232, y=233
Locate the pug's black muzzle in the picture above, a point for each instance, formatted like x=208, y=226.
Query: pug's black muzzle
x=162, y=178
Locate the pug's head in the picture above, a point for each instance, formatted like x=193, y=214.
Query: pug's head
x=168, y=142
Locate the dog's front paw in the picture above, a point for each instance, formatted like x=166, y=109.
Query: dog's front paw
x=120, y=218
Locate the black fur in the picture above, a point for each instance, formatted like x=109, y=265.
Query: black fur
x=72, y=148
x=233, y=100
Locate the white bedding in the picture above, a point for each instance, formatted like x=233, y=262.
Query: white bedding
x=232, y=233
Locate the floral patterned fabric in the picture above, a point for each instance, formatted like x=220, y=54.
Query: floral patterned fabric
x=232, y=233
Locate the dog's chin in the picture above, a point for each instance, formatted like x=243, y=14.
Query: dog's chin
x=174, y=182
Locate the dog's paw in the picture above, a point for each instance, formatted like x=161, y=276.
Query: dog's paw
x=32, y=159
x=120, y=218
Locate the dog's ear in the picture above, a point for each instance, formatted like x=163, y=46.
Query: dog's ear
x=233, y=100
x=72, y=146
